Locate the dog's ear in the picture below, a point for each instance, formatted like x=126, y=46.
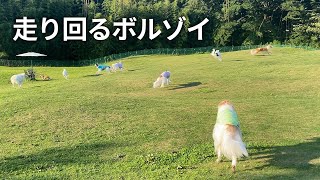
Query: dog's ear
x=224, y=102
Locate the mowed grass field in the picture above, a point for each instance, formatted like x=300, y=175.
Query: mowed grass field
x=116, y=126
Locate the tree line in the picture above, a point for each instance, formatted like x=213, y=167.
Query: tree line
x=232, y=23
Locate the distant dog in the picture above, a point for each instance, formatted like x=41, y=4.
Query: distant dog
x=45, y=77
x=18, y=79
x=65, y=73
x=162, y=80
x=227, y=135
x=216, y=54
x=262, y=49
x=117, y=66
x=102, y=68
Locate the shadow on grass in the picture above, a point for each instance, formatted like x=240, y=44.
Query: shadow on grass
x=187, y=85
x=132, y=70
x=303, y=158
x=262, y=55
x=93, y=75
x=41, y=80
x=237, y=60
x=55, y=157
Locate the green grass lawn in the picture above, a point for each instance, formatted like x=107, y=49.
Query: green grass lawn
x=116, y=126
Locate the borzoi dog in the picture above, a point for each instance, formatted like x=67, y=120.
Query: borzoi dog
x=262, y=49
x=18, y=79
x=117, y=66
x=45, y=77
x=65, y=73
x=102, y=67
x=227, y=135
x=162, y=80
x=216, y=54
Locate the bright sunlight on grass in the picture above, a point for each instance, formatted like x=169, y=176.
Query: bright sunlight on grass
x=116, y=126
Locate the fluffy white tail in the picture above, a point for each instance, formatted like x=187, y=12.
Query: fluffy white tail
x=231, y=147
x=227, y=139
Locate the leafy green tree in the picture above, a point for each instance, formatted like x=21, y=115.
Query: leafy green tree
x=231, y=22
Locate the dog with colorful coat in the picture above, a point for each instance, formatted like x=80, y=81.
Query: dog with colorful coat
x=102, y=68
x=227, y=135
x=162, y=80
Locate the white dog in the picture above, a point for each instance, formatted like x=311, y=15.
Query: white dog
x=162, y=80
x=18, y=79
x=158, y=82
x=65, y=73
x=216, y=54
x=227, y=135
x=117, y=66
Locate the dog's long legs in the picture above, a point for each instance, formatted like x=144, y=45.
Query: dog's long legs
x=219, y=155
x=167, y=81
x=163, y=81
x=234, y=163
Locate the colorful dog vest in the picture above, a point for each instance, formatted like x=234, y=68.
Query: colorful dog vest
x=166, y=74
x=101, y=67
x=228, y=116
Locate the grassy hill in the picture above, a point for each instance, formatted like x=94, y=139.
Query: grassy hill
x=116, y=126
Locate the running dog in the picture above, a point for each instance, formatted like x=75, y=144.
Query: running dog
x=216, y=54
x=102, y=67
x=262, y=49
x=117, y=66
x=227, y=134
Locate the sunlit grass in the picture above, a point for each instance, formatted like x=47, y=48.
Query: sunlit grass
x=116, y=126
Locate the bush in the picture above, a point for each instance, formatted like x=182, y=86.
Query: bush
x=3, y=55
